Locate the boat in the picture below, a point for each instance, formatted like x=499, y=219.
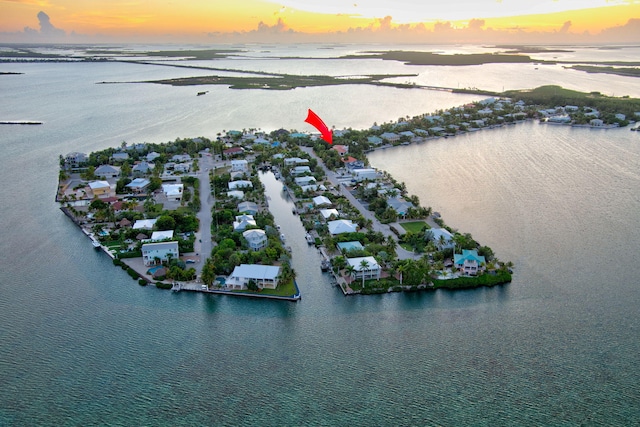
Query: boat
x=95, y=244
x=310, y=239
x=325, y=264
x=202, y=93
x=282, y=237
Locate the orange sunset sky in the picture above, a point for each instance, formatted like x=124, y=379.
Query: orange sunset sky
x=407, y=21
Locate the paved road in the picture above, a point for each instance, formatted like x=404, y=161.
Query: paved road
x=203, y=244
x=377, y=225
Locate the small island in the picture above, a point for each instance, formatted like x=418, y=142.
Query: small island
x=192, y=214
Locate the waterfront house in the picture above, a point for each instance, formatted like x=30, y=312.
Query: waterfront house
x=173, y=192
x=240, y=165
x=364, y=174
x=442, y=238
x=243, y=221
x=390, y=136
x=107, y=171
x=375, y=140
x=155, y=253
x=248, y=208
x=75, y=160
x=596, y=122
x=256, y=239
x=157, y=236
x=340, y=226
x=310, y=187
x=265, y=276
x=469, y=262
x=321, y=200
x=100, y=189
x=370, y=268
x=399, y=205
x=304, y=180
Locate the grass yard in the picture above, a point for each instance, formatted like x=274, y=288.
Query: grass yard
x=414, y=226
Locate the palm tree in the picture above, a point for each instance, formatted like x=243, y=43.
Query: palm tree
x=364, y=265
x=401, y=269
x=350, y=269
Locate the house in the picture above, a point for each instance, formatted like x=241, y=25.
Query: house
x=107, y=171
x=142, y=168
x=100, y=189
x=261, y=141
x=248, y=208
x=300, y=170
x=341, y=149
x=243, y=221
x=236, y=194
x=233, y=151
x=156, y=236
x=138, y=185
x=408, y=134
x=469, y=262
x=365, y=266
x=311, y=187
x=75, y=160
x=265, y=276
x=291, y=161
x=345, y=247
x=152, y=156
x=340, y=226
x=256, y=239
x=234, y=185
x=120, y=157
x=173, y=192
x=390, y=136
x=442, y=238
x=363, y=174
x=321, y=200
x=239, y=165
x=328, y=213
x=400, y=205
x=304, y=180
x=180, y=158
x=596, y=122
x=182, y=167
x=155, y=253
x=375, y=140
x=144, y=224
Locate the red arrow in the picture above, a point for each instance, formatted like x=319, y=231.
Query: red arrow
x=314, y=120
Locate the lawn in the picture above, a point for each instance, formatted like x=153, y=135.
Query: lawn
x=414, y=226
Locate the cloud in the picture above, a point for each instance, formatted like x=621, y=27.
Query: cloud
x=46, y=27
x=46, y=33
x=565, y=27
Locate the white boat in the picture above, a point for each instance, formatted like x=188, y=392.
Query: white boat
x=310, y=239
x=95, y=244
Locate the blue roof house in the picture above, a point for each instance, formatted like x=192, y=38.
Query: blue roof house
x=469, y=262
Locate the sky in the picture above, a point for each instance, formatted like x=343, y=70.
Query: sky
x=291, y=21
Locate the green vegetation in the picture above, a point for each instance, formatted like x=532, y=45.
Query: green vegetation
x=429, y=58
x=414, y=226
x=620, y=71
x=487, y=279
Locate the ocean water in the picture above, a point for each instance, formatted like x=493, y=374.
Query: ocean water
x=83, y=344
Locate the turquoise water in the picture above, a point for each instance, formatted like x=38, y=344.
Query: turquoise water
x=82, y=344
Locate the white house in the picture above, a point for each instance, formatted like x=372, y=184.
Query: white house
x=327, y=213
x=469, y=262
x=239, y=165
x=236, y=194
x=256, y=238
x=243, y=221
x=138, y=185
x=151, y=252
x=107, y=171
x=321, y=200
x=265, y=276
x=310, y=187
x=144, y=224
x=596, y=122
x=152, y=156
x=340, y=226
x=305, y=180
x=365, y=266
x=362, y=174
x=248, y=208
x=156, y=236
x=173, y=192
x=290, y=161
x=234, y=185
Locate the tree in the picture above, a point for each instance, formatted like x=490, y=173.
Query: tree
x=165, y=222
x=350, y=269
x=364, y=265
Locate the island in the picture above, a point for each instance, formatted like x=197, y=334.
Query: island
x=192, y=214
